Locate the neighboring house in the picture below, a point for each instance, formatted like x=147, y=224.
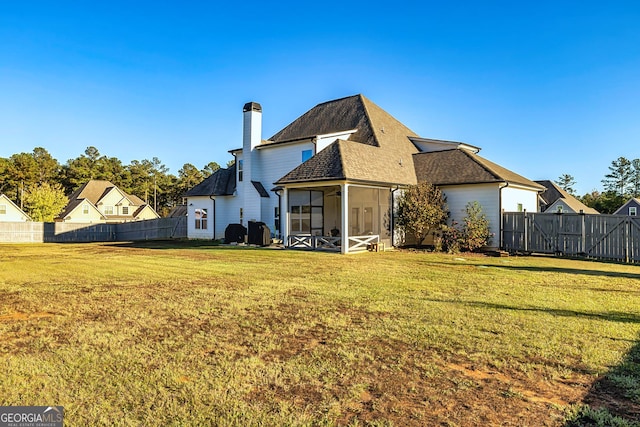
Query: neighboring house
x=328, y=179
x=556, y=200
x=10, y=212
x=102, y=202
x=631, y=208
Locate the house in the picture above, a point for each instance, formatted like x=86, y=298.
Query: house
x=102, y=202
x=329, y=178
x=555, y=199
x=10, y=212
x=630, y=208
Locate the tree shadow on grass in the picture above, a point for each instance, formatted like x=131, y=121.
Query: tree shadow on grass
x=612, y=316
x=587, y=272
x=614, y=399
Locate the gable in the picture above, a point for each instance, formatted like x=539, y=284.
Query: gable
x=9, y=211
x=113, y=197
x=75, y=210
x=624, y=209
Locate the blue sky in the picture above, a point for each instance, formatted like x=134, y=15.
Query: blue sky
x=545, y=87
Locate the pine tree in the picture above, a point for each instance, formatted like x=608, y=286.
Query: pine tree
x=618, y=179
x=566, y=182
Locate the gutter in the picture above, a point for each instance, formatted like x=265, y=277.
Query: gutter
x=214, y=216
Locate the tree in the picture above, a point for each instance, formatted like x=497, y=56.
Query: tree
x=4, y=176
x=48, y=167
x=566, y=182
x=231, y=162
x=22, y=171
x=619, y=177
x=188, y=176
x=210, y=168
x=81, y=169
x=605, y=203
x=421, y=209
x=635, y=178
x=43, y=202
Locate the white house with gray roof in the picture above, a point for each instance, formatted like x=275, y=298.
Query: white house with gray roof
x=327, y=180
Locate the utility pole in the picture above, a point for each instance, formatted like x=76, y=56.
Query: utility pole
x=155, y=193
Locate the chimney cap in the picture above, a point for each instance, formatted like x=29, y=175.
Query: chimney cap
x=252, y=106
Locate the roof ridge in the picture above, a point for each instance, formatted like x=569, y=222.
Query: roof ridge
x=339, y=99
x=367, y=116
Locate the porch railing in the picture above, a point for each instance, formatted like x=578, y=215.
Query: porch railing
x=356, y=243
x=360, y=243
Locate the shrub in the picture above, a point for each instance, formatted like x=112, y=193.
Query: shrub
x=421, y=210
x=475, y=232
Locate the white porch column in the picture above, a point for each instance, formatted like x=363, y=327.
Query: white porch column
x=345, y=218
x=284, y=216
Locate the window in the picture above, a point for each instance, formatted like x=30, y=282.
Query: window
x=559, y=209
x=241, y=213
x=306, y=209
x=519, y=207
x=201, y=219
x=85, y=209
x=276, y=216
x=240, y=170
x=125, y=210
x=633, y=211
x=306, y=155
x=108, y=210
x=3, y=209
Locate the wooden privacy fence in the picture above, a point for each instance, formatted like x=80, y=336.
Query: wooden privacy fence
x=63, y=232
x=606, y=237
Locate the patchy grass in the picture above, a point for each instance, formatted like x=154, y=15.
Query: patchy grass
x=195, y=334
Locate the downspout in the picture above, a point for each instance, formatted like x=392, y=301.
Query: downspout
x=392, y=216
x=279, y=214
x=500, y=212
x=214, y=216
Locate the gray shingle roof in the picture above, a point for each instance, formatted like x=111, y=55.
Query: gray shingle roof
x=220, y=183
x=380, y=151
x=553, y=192
x=463, y=167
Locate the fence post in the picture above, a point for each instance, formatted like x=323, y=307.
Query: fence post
x=627, y=238
x=526, y=232
x=583, y=233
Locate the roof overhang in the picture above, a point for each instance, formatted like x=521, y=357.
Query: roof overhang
x=446, y=145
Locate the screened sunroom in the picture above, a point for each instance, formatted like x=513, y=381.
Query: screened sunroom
x=342, y=217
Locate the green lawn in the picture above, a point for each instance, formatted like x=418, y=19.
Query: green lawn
x=193, y=334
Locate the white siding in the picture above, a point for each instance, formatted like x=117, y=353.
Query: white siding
x=324, y=141
x=227, y=211
x=11, y=213
x=276, y=162
x=513, y=196
x=79, y=215
x=194, y=203
x=487, y=195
